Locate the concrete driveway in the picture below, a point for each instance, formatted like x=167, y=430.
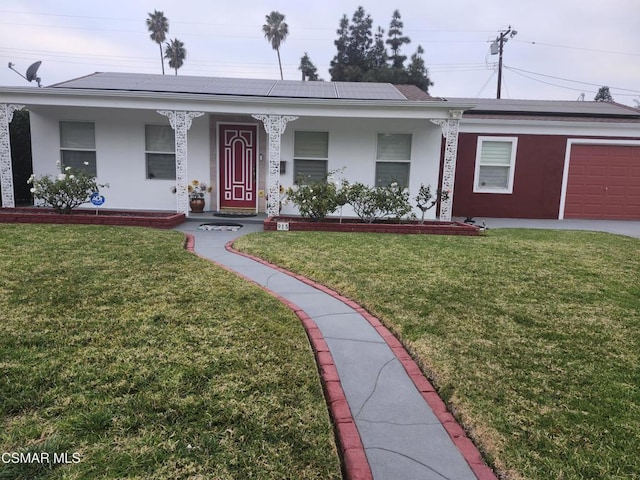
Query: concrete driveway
x=621, y=227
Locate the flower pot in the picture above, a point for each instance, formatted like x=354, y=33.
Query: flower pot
x=196, y=205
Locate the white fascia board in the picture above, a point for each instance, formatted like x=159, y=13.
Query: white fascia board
x=436, y=109
x=550, y=127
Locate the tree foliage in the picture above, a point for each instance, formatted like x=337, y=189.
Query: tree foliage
x=603, y=95
x=308, y=69
x=176, y=54
x=158, y=26
x=363, y=57
x=276, y=31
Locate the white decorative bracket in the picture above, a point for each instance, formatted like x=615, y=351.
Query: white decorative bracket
x=275, y=126
x=6, y=170
x=180, y=121
x=450, y=130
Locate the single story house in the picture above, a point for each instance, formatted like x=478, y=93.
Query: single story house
x=146, y=134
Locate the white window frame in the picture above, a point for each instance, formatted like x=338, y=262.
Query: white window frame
x=154, y=152
x=325, y=161
x=78, y=149
x=406, y=161
x=477, y=188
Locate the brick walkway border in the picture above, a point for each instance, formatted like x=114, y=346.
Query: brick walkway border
x=355, y=464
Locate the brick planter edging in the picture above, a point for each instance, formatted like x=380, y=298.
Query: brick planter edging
x=431, y=227
x=120, y=218
x=355, y=465
x=457, y=434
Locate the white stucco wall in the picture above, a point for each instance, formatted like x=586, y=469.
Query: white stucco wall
x=120, y=153
x=352, y=144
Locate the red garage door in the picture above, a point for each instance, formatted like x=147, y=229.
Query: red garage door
x=604, y=182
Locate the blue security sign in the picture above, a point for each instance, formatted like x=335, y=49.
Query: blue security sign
x=97, y=199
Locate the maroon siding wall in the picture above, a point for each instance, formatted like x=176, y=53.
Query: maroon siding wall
x=537, y=182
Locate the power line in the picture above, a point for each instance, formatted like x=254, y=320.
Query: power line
x=519, y=72
x=570, y=80
x=579, y=48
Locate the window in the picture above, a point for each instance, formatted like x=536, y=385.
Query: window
x=78, y=146
x=495, y=164
x=310, y=155
x=160, y=152
x=393, y=159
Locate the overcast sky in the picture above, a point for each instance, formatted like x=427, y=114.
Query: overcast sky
x=562, y=49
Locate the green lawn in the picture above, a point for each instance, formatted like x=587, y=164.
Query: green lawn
x=532, y=337
x=146, y=362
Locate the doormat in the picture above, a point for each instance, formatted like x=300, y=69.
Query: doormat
x=220, y=227
x=235, y=214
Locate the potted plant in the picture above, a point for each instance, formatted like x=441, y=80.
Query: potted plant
x=196, y=191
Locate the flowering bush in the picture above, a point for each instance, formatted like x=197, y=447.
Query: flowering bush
x=316, y=199
x=374, y=203
x=426, y=200
x=68, y=190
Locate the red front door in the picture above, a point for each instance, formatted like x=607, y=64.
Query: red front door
x=237, y=154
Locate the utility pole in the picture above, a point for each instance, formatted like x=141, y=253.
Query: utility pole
x=497, y=48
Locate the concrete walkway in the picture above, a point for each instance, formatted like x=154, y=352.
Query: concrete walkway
x=629, y=228
x=402, y=436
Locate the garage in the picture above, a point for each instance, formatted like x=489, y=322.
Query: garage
x=603, y=182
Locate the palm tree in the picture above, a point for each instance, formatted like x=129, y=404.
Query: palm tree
x=276, y=31
x=158, y=25
x=176, y=53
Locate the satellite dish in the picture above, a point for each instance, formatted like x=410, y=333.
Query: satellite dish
x=33, y=70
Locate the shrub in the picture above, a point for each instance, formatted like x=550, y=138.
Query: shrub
x=374, y=203
x=426, y=200
x=67, y=191
x=316, y=199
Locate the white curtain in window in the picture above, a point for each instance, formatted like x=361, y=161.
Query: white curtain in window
x=77, y=135
x=311, y=145
x=496, y=153
x=394, y=146
x=160, y=138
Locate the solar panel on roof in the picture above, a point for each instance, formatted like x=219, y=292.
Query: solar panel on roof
x=368, y=91
x=285, y=88
x=235, y=86
x=238, y=86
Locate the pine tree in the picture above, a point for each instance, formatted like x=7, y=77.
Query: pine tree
x=358, y=45
x=396, y=40
x=363, y=58
x=603, y=95
x=340, y=61
x=308, y=69
x=417, y=71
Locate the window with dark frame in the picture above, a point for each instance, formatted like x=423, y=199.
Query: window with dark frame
x=393, y=159
x=78, y=146
x=160, y=154
x=310, y=156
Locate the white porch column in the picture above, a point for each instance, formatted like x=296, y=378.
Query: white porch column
x=450, y=132
x=274, y=125
x=180, y=121
x=6, y=170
